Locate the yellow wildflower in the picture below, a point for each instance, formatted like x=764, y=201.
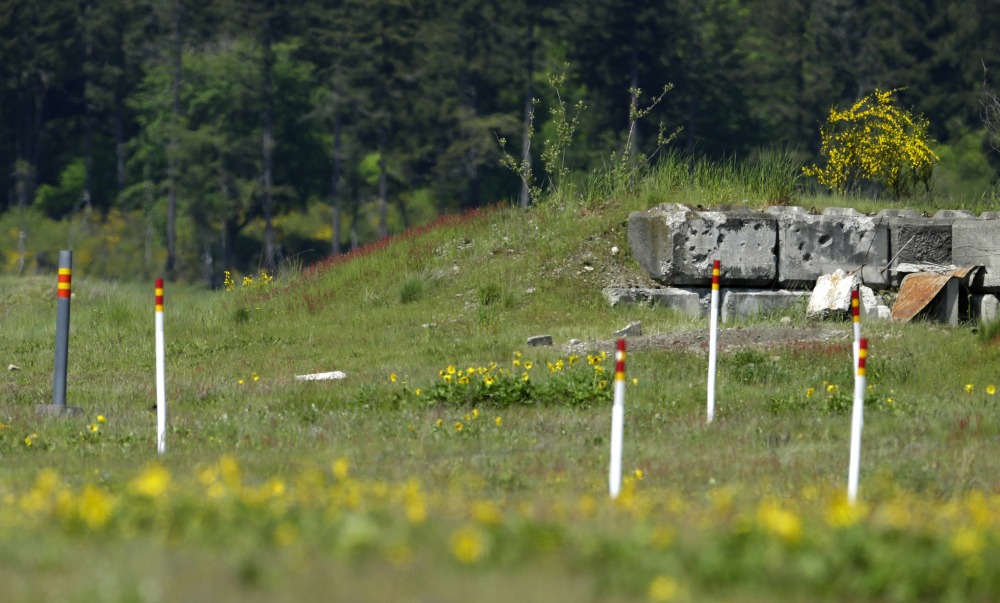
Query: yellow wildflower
x=968, y=388
x=516, y=363
x=663, y=588
x=603, y=383
x=392, y=377
x=498, y=421
x=101, y=419
x=451, y=369
x=488, y=380
x=527, y=365
x=463, y=380
x=468, y=544
x=991, y=389
x=810, y=392
x=94, y=427
x=525, y=377
x=458, y=426
x=340, y=468
x=255, y=376
x=475, y=413
x=418, y=391
x=638, y=474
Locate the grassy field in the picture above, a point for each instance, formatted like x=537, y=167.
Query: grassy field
x=404, y=482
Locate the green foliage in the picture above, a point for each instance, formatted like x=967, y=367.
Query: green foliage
x=876, y=141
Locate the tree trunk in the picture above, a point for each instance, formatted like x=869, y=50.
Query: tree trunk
x=383, y=203
x=174, y=144
x=335, y=187
x=22, y=172
x=120, y=149
x=269, y=239
x=528, y=107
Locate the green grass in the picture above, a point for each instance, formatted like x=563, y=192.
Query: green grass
x=468, y=292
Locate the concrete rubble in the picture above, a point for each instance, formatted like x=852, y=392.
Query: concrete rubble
x=764, y=254
x=832, y=295
x=632, y=329
x=539, y=340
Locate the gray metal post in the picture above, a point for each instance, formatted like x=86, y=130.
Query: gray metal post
x=63, y=294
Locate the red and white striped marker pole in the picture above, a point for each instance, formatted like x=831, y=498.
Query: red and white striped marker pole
x=161, y=389
x=856, y=318
x=617, y=423
x=713, y=340
x=857, y=421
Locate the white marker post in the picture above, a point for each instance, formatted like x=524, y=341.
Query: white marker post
x=857, y=421
x=713, y=340
x=617, y=423
x=161, y=388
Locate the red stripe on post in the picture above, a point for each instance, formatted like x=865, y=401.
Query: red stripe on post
x=620, y=364
x=63, y=293
x=715, y=274
x=65, y=278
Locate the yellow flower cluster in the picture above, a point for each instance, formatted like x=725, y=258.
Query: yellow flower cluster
x=263, y=280
x=875, y=141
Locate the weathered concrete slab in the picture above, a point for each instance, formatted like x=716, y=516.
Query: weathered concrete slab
x=984, y=307
x=977, y=243
x=886, y=214
x=954, y=214
x=632, y=329
x=918, y=241
x=738, y=305
x=841, y=238
x=690, y=302
x=676, y=245
x=539, y=340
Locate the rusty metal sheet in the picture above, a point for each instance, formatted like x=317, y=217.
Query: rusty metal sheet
x=916, y=292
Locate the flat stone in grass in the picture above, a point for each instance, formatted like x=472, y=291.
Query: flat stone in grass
x=633, y=329
x=539, y=340
x=676, y=245
x=691, y=302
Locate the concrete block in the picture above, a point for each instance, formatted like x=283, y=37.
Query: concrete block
x=842, y=212
x=632, y=329
x=918, y=241
x=811, y=246
x=690, y=302
x=738, y=305
x=676, y=245
x=885, y=214
x=977, y=243
x=954, y=214
x=990, y=215
x=946, y=303
x=984, y=307
x=539, y=340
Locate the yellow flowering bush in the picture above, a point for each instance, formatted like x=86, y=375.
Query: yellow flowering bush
x=878, y=142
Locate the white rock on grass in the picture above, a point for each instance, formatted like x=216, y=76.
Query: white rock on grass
x=832, y=294
x=633, y=329
x=321, y=376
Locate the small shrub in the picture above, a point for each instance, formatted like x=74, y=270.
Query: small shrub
x=413, y=290
x=489, y=294
x=878, y=142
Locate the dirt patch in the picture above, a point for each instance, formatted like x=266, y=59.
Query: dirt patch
x=729, y=339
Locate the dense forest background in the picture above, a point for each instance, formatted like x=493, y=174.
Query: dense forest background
x=226, y=134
